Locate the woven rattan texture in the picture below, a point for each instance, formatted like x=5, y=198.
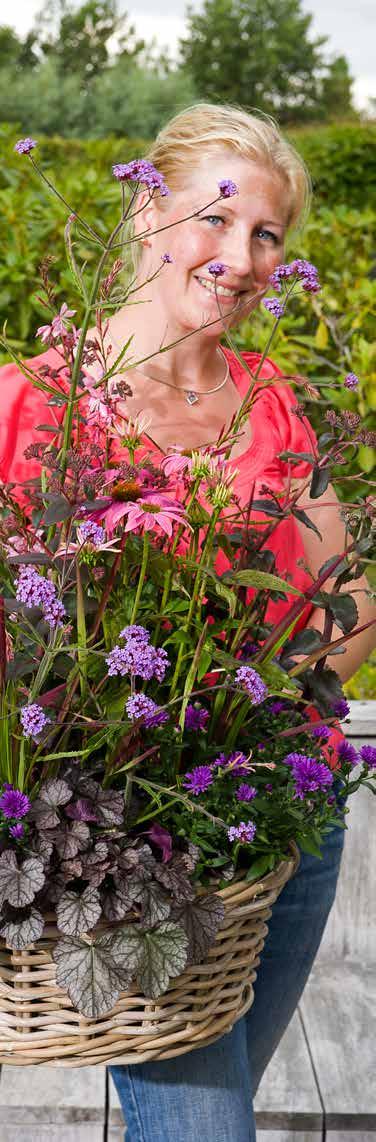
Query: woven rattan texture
x=38, y=1023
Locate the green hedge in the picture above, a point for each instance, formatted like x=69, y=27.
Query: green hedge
x=342, y=162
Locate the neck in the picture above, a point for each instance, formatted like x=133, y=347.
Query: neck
x=192, y=363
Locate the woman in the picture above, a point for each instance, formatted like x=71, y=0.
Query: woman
x=187, y=395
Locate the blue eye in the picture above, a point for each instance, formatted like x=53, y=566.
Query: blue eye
x=269, y=234
x=212, y=218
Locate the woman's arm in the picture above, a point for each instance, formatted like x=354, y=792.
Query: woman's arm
x=325, y=513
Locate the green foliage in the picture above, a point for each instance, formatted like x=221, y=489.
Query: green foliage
x=342, y=161
x=277, y=65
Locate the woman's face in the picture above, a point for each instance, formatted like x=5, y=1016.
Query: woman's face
x=246, y=232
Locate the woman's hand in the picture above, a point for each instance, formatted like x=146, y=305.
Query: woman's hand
x=325, y=513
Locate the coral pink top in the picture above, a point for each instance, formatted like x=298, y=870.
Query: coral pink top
x=275, y=428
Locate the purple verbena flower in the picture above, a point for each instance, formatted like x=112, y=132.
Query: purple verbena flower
x=92, y=532
x=24, y=146
x=246, y=792
x=250, y=680
x=140, y=706
x=135, y=631
x=140, y=170
x=16, y=831
x=300, y=269
x=36, y=591
x=348, y=753
x=13, y=803
x=309, y=775
x=216, y=269
x=33, y=720
x=368, y=754
x=228, y=188
x=351, y=381
x=199, y=779
x=139, y=658
x=196, y=718
x=274, y=306
x=167, y=259
x=244, y=832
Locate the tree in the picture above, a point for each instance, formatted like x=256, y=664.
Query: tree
x=257, y=53
x=81, y=43
x=336, y=90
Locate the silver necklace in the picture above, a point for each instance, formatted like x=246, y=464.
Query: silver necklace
x=191, y=396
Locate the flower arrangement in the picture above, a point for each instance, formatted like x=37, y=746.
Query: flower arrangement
x=156, y=737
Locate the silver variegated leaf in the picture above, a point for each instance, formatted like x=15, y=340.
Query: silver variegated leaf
x=19, y=885
x=156, y=906
x=20, y=933
x=174, y=876
x=200, y=919
x=115, y=905
x=78, y=912
x=164, y=958
x=55, y=792
x=90, y=974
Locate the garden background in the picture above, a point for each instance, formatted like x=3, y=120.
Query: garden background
x=92, y=94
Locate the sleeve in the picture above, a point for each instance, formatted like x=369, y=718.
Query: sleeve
x=23, y=407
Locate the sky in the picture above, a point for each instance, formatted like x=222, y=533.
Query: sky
x=350, y=26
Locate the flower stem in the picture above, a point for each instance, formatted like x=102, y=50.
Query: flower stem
x=141, y=578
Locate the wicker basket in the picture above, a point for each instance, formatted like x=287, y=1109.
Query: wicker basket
x=38, y=1023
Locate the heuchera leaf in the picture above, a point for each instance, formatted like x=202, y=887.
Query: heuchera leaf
x=96, y=864
x=69, y=838
x=200, y=919
x=155, y=905
x=156, y=956
x=77, y=913
x=115, y=905
x=175, y=877
x=108, y=804
x=19, y=885
x=55, y=792
x=92, y=976
x=22, y=930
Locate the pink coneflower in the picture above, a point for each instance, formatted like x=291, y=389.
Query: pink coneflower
x=141, y=505
x=176, y=463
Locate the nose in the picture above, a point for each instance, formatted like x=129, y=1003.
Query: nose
x=237, y=255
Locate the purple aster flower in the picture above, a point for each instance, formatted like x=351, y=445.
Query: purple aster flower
x=228, y=188
x=16, y=831
x=196, y=718
x=269, y=787
x=140, y=170
x=216, y=269
x=245, y=792
x=348, y=753
x=368, y=754
x=351, y=381
x=24, y=146
x=140, y=706
x=250, y=680
x=331, y=800
x=274, y=306
x=277, y=706
x=322, y=732
x=341, y=708
x=166, y=258
x=13, y=803
x=92, y=532
x=33, y=720
x=309, y=775
x=237, y=763
x=199, y=779
x=244, y=832
x=36, y=591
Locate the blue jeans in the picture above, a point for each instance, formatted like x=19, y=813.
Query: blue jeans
x=208, y=1093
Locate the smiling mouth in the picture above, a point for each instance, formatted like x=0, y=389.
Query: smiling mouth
x=219, y=290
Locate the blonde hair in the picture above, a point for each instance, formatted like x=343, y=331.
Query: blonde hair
x=206, y=128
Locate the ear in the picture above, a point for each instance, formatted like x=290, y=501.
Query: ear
x=145, y=221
